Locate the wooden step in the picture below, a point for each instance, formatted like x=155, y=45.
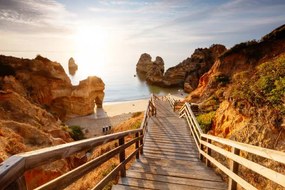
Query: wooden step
x=143, y=183
x=208, y=175
x=157, y=149
x=126, y=187
x=177, y=180
x=149, y=155
x=168, y=153
x=170, y=158
x=170, y=163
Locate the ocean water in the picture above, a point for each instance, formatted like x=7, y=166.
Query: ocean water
x=117, y=72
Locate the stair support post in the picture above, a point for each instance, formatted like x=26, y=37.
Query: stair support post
x=234, y=168
x=122, y=156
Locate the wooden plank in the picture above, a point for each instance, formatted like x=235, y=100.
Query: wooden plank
x=176, y=172
x=149, y=155
x=170, y=163
x=170, y=142
x=171, y=150
x=234, y=168
x=156, y=184
x=167, y=153
x=169, y=145
x=181, y=167
x=177, y=180
x=180, y=137
x=122, y=156
x=178, y=168
x=126, y=187
x=188, y=136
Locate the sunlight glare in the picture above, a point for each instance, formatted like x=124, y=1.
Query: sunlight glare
x=92, y=45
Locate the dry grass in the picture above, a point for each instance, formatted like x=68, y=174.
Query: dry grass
x=91, y=179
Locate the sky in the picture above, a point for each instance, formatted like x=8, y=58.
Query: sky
x=119, y=31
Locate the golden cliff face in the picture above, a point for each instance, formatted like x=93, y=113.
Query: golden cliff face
x=245, y=89
x=44, y=82
x=245, y=84
x=33, y=95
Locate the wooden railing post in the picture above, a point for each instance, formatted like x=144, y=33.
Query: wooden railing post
x=201, y=147
x=209, y=152
x=137, y=146
x=141, y=141
x=122, y=157
x=19, y=184
x=234, y=168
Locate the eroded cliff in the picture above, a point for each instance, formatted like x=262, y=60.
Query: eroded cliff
x=34, y=94
x=245, y=89
x=44, y=82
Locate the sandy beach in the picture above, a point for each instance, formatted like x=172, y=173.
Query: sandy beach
x=112, y=114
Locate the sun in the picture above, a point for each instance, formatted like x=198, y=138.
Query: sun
x=90, y=39
x=91, y=47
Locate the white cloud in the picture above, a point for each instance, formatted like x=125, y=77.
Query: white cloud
x=34, y=16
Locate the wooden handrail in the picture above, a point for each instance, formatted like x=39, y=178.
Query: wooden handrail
x=12, y=169
x=205, y=143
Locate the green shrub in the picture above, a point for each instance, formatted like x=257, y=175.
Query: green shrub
x=223, y=79
x=265, y=87
x=136, y=114
x=205, y=120
x=136, y=125
x=76, y=132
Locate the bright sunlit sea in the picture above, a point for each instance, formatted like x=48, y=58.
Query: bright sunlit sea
x=118, y=74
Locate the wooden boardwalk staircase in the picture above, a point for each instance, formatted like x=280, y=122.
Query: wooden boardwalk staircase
x=170, y=159
x=170, y=152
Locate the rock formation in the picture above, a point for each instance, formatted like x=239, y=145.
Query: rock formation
x=44, y=82
x=186, y=74
x=151, y=71
x=72, y=66
x=81, y=99
x=32, y=93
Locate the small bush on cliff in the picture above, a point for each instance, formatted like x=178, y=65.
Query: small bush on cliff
x=240, y=47
x=136, y=114
x=222, y=79
x=205, y=121
x=266, y=87
x=76, y=132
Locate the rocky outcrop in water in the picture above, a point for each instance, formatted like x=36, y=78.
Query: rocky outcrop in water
x=151, y=71
x=72, y=66
x=186, y=74
x=44, y=82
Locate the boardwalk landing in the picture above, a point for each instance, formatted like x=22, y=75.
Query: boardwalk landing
x=170, y=159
